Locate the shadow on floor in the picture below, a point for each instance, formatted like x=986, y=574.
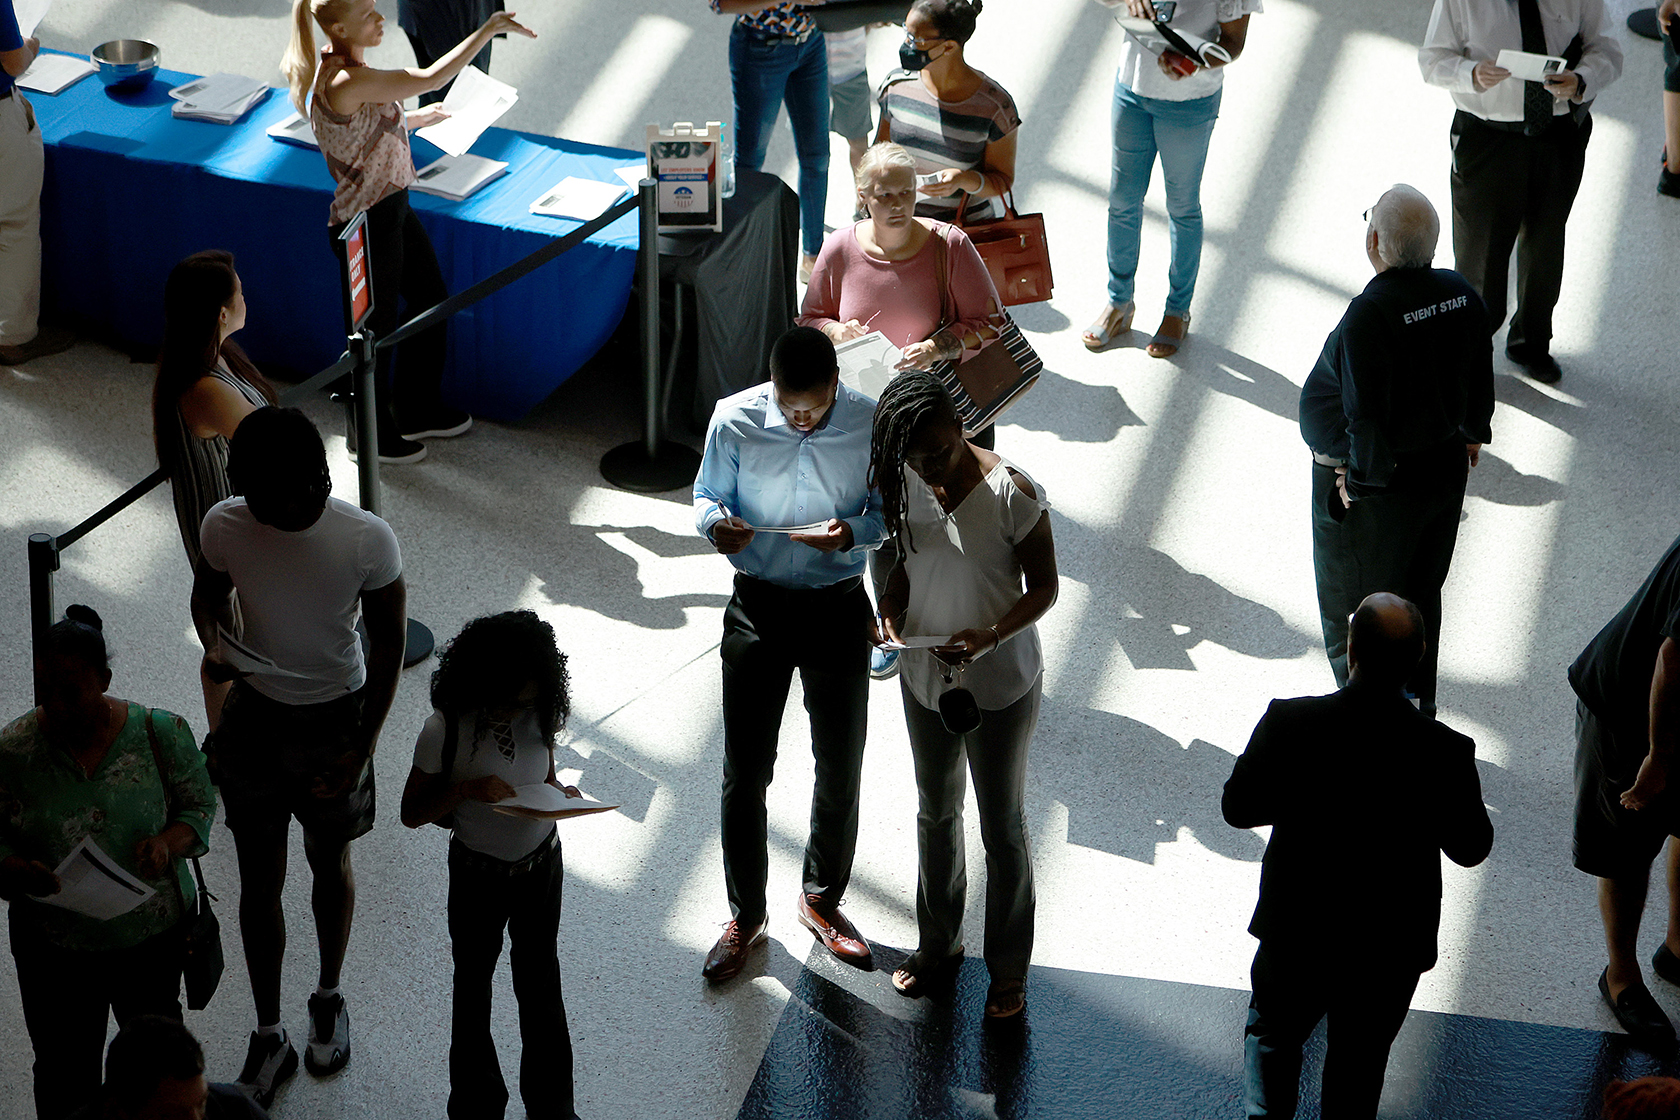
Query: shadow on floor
x=1091, y=1045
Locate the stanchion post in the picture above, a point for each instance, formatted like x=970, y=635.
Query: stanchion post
x=366, y=417
x=647, y=199
x=651, y=465
x=43, y=562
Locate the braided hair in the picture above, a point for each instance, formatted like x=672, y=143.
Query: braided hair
x=496, y=654
x=912, y=399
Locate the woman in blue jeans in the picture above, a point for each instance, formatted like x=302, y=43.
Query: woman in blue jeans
x=500, y=694
x=1159, y=109
x=777, y=55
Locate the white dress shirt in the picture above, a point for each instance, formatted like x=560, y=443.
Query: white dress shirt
x=1464, y=32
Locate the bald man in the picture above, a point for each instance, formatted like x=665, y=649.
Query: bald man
x=1395, y=413
x=1363, y=794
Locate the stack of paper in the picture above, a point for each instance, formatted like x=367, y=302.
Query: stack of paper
x=294, y=130
x=475, y=102
x=867, y=363
x=577, y=198
x=220, y=98
x=457, y=177
x=54, y=73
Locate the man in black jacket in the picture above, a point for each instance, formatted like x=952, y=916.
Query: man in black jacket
x=1364, y=793
x=1395, y=413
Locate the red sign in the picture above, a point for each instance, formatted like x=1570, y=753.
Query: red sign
x=361, y=296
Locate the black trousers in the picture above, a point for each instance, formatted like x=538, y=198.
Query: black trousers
x=1292, y=992
x=1397, y=542
x=1511, y=190
x=67, y=997
x=768, y=632
x=406, y=281
x=486, y=897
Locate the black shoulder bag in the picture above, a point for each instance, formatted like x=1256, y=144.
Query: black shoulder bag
x=202, y=962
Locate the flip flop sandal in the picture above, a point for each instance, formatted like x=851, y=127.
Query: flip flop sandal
x=1006, y=999
x=920, y=974
x=1111, y=324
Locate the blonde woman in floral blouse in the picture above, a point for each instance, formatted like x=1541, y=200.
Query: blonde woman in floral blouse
x=82, y=766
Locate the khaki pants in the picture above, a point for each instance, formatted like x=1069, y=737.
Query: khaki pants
x=22, y=163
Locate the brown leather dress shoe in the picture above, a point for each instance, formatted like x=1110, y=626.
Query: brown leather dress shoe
x=833, y=929
x=729, y=956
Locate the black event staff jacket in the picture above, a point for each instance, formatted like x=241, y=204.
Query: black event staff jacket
x=1363, y=793
x=1404, y=382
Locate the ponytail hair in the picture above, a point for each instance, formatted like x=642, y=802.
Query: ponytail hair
x=299, y=62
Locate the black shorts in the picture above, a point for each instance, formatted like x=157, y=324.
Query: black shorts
x=1610, y=841
x=266, y=755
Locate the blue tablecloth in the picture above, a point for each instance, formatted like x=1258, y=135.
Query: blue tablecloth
x=130, y=190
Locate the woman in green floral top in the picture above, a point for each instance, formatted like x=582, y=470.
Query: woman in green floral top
x=82, y=767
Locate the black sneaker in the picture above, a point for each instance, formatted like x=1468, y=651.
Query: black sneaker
x=392, y=448
x=269, y=1062
x=441, y=422
x=329, y=1036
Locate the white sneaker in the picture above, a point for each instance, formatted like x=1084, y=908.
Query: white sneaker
x=329, y=1036
x=269, y=1062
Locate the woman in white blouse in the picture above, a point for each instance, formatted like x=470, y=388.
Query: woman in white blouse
x=1164, y=105
x=977, y=569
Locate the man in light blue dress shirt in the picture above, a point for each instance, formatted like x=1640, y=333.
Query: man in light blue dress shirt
x=792, y=453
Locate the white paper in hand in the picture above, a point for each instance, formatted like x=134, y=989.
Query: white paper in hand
x=868, y=363
x=1530, y=67
x=918, y=641
x=29, y=15
x=91, y=883
x=542, y=799
x=475, y=102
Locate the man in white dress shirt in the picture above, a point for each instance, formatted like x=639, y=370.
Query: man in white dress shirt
x=1518, y=148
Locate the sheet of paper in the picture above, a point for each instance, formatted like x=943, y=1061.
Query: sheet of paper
x=868, y=363
x=817, y=527
x=246, y=659
x=1530, y=67
x=294, y=130
x=219, y=93
x=29, y=15
x=582, y=199
x=632, y=174
x=54, y=73
x=918, y=641
x=91, y=883
x=542, y=800
x=458, y=177
x=475, y=102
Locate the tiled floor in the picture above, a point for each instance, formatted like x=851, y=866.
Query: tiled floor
x=1180, y=493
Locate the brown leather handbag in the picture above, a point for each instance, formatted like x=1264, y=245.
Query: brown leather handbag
x=1015, y=250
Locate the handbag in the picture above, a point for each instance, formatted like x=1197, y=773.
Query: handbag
x=991, y=381
x=849, y=15
x=202, y=962
x=1016, y=252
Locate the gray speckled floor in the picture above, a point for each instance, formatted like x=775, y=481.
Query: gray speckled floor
x=1180, y=489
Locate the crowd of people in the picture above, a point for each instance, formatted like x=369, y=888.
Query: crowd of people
x=806, y=485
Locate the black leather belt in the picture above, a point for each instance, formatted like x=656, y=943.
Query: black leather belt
x=770, y=40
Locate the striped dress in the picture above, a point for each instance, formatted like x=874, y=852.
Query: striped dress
x=943, y=134
x=200, y=477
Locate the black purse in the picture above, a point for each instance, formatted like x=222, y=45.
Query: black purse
x=202, y=960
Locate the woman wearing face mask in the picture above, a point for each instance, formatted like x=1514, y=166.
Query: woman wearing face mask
x=980, y=566
x=358, y=118
x=958, y=124
x=1159, y=109
x=86, y=766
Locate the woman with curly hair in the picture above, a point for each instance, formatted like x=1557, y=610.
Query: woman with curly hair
x=500, y=694
x=977, y=563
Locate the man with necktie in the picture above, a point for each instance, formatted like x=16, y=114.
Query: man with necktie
x=1518, y=149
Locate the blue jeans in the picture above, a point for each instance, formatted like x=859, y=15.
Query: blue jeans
x=1179, y=132
x=763, y=76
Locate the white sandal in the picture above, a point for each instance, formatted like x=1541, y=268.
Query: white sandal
x=1111, y=324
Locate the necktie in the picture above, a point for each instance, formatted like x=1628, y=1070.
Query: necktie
x=1537, y=99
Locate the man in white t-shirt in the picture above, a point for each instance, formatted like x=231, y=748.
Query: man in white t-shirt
x=299, y=727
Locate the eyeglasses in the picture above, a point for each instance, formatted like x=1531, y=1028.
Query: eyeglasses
x=1367, y=214
x=920, y=44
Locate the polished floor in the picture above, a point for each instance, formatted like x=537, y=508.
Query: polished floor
x=1180, y=496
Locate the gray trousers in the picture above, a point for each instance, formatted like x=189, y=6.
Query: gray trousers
x=996, y=755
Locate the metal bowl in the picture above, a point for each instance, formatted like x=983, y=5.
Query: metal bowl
x=126, y=64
